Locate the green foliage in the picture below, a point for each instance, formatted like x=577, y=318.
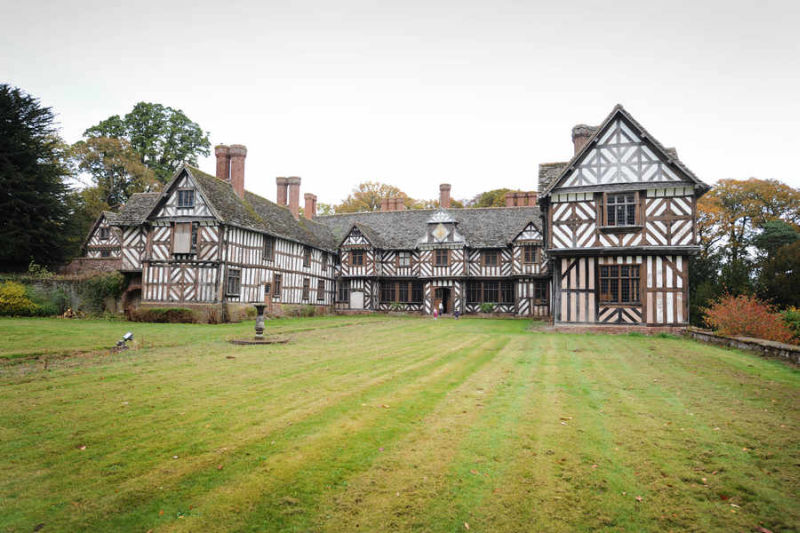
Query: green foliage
x=38, y=271
x=115, y=169
x=171, y=315
x=791, y=317
x=51, y=301
x=396, y=306
x=779, y=280
x=162, y=137
x=774, y=235
x=35, y=218
x=367, y=196
x=14, y=300
x=96, y=289
x=487, y=307
x=493, y=198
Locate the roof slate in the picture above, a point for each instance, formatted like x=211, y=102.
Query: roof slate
x=135, y=211
x=492, y=227
x=258, y=213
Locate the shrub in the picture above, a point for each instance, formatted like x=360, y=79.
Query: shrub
x=791, y=317
x=14, y=300
x=746, y=316
x=396, y=306
x=171, y=315
x=96, y=289
x=51, y=301
x=487, y=307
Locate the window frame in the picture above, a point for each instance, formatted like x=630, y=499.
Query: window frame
x=540, y=291
x=277, y=280
x=306, y=289
x=492, y=253
x=233, y=274
x=320, y=290
x=343, y=290
x=529, y=254
x=191, y=235
x=361, y=255
x=437, y=258
x=324, y=261
x=105, y=234
x=613, y=292
x=180, y=200
x=105, y=253
x=634, y=203
x=268, y=249
x=307, y=257
x=406, y=255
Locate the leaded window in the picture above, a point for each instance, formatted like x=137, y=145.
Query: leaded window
x=529, y=253
x=321, y=289
x=621, y=209
x=441, y=257
x=306, y=256
x=233, y=283
x=619, y=283
x=185, y=198
x=357, y=257
x=404, y=259
x=269, y=248
x=490, y=258
x=306, y=288
x=343, y=293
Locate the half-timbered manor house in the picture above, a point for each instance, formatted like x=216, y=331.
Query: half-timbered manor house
x=605, y=241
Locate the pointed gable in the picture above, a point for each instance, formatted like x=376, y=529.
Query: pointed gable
x=183, y=197
x=358, y=236
x=529, y=233
x=622, y=152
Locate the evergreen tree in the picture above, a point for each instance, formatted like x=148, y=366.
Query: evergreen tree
x=34, y=220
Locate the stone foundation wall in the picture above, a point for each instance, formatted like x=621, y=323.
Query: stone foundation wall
x=788, y=352
x=620, y=330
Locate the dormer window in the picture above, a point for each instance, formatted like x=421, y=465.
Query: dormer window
x=621, y=209
x=404, y=259
x=357, y=258
x=441, y=257
x=185, y=198
x=490, y=258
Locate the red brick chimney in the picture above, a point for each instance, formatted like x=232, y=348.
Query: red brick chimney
x=238, y=153
x=398, y=204
x=444, y=196
x=223, y=154
x=581, y=135
x=310, y=210
x=510, y=199
x=283, y=196
x=385, y=205
x=294, y=196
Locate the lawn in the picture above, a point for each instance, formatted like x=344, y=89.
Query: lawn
x=390, y=423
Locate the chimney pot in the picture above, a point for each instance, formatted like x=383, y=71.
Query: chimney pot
x=283, y=196
x=510, y=199
x=294, y=196
x=310, y=209
x=581, y=135
x=444, y=196
x=238, y=153
x=223, y=154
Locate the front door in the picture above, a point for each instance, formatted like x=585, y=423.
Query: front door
x=441, y=295
x=356, y=300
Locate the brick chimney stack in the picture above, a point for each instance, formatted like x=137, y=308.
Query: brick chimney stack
x=581, y=135
x=238, y=153
x=223, y=154
x=444, y=196
x=384, y=205
x=283, y=196
x=294, y=196
x=398, y=204
x=310, y=210
x=521, y=199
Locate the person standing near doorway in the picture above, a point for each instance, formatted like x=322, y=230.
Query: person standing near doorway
x=441, y=309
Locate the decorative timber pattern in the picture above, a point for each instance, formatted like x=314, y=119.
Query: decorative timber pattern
x=667, y=280
x=134, y=243
x=104, y=240
x=620, y=156
x=670, y=221
x=574, y=224
x=172, y=208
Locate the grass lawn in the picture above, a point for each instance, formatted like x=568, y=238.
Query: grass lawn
x=390, y=423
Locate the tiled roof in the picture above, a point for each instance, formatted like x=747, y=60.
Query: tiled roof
x=258, y=213
x=398, y=230
x=135, y=211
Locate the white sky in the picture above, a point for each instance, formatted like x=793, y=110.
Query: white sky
x=416, y=93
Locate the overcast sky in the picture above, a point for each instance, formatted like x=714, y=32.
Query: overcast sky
x=417, y=93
